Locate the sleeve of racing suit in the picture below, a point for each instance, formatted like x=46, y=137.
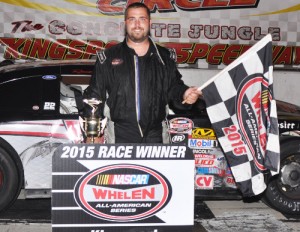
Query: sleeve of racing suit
x=96, y=88
x=176, y=87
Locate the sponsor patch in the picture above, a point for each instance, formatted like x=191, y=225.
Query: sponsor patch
x=101, y=56
x=173, y=54
x=117, y=61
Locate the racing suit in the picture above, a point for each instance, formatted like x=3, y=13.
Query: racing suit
x=135, y=91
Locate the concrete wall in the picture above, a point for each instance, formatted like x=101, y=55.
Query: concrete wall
x=286, y=83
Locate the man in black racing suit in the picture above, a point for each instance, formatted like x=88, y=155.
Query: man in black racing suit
x=136, y=80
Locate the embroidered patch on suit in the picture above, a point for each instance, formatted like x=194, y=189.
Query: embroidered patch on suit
x=173, y=54
x=117, y=61
x=101, y=56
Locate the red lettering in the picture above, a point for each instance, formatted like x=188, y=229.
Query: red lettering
x=231, y=53
x=182, y=50
x=159, y=5
x=243, y=2
x=106, y=7
x=99, y=193
x=92, y=47
x=26, y=26
x=58, y=50
x=200, y=51
x=115, y=194
x=187, y=4
x=204, y=181
x=285, y=57
x=76, y=49
x=39, y=48
x=216, y=54
x=214, y=3
x=12, y=47
x=297, y=56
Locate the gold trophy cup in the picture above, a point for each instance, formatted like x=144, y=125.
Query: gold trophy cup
x=92, y=124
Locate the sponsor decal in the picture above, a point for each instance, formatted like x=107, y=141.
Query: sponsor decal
x=178, y=138
x=210, y=170
x=49, y=106
x=229, y=182
x=201, y=151
x=180, y=125
x=35, y=107
x=122, y=192
x=203, y=133
x=205, y=156
x=287, y=125
x=202, y=143
x=73, y=130
x=204, y=181
x=49, y=77
x=204, y=162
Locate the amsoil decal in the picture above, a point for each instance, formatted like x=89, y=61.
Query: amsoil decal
x=122, y=192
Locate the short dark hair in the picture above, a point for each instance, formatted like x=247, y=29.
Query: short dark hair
x=136, y=5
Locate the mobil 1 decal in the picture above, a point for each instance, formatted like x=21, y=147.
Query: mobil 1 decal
x=122, y=192
x=122, y=187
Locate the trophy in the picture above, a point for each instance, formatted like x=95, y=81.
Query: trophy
x=92, y=124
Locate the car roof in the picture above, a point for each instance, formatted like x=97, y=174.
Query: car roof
x=46, y=63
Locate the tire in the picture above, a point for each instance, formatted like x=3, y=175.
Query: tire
x=11, y=176
x=283, y=191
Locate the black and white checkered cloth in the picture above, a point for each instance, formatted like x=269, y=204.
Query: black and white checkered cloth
x=243, y=113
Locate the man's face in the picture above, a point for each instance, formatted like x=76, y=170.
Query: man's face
x=137, y=25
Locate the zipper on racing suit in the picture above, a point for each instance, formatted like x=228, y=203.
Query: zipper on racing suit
x=137, y=93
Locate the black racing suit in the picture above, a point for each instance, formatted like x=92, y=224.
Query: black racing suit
x=136, y=91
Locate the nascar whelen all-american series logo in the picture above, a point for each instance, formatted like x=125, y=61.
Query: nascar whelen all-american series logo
x=122, y=192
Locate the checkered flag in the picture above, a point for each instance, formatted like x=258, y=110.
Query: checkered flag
x=243, y=113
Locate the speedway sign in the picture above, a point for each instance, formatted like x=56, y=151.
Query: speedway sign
x=204, y=33
x=122, y=188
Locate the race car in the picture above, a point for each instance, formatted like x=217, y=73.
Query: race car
x=40, y=105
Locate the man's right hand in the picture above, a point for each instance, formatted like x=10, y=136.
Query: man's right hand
x=96, y=140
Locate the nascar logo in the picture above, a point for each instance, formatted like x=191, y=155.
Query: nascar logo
x=122, y=179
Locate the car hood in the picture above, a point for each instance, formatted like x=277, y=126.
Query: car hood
x=287, y=110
